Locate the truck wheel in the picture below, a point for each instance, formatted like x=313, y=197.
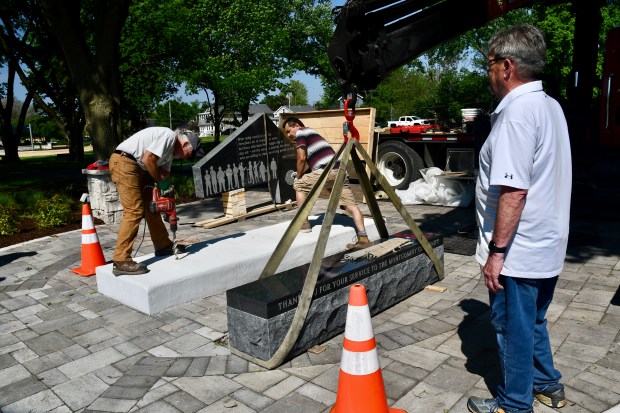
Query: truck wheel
x=399, y=164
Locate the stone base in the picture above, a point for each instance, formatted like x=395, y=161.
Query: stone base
x=260, y=313
x=104, y=201
x=214, y=266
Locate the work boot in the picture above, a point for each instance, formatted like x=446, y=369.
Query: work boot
x=306, y=227
x=552, y=395
x=480, y=405
x=128, y=268
x=362, y=242
x=162, y=252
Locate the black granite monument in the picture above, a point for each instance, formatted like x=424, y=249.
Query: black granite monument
x=260, y=313
x=256, y=153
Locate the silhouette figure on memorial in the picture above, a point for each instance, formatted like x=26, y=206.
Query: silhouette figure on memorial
x=250, y=172
x=236, y=175
x=229, y=177
x=207, y=183
x=213, y=180
x=274, y=169
x=221, y=179
x=242, y=173
x=263, y=171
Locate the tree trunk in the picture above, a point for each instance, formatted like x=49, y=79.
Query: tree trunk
x=245, y=112
x=103, y=125
x=74, y=130
x=10, y=140
x=96, y=77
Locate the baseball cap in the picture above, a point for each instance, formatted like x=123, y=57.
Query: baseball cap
x=194, y=140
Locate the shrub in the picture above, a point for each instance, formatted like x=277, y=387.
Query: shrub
x=9, y=222
x=8, y=200
x=183, y=186
x=53, y=212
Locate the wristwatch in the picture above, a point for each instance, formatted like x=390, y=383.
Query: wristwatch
x=495, y=249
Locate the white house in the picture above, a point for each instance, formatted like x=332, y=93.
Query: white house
x=207, y=128
x=283, y=110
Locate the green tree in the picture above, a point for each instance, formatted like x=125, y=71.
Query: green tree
x=149, y=63
x=175, y=113
x=404, y=92
x=35, y=54
x=45, y=127
x=298, y=95
x=236, y=55
x=298, y=92
x=310, y=30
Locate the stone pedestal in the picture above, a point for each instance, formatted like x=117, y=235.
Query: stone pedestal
x=260, y=313
x=104, y=201
x=214, y=266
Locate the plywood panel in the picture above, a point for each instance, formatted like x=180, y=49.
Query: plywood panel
x=328, y=123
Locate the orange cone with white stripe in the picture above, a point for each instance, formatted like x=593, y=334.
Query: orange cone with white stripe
x=360, y=385
x=92, y=254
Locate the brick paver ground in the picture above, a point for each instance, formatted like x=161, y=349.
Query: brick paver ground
x=66, y=348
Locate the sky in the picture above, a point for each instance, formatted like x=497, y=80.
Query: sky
x=312, y=83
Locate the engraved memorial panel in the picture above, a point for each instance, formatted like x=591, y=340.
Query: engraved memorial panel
x=256, y=153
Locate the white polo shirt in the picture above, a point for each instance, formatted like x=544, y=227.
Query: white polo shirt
x=157, y=140
x=528, y=148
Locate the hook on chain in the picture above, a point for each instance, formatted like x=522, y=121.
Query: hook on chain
x=349, y=115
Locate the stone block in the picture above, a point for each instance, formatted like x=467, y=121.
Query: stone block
x=214, y=266
x=104, y=201
x=260, y=313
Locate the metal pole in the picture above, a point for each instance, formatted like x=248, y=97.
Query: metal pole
x=170, y=113
x=31, y=141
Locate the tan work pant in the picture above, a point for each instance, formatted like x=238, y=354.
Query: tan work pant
x=131, y=182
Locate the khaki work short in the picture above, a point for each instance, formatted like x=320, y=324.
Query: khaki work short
x=308, y=180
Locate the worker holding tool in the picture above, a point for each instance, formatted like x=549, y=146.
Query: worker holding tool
x=314, y=152
x=143, y=160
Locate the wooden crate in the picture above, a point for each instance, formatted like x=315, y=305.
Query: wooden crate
x=328, y=123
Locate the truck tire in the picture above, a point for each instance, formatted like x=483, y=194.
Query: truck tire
x=399, y=164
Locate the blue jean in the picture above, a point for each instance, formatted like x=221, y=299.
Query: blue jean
x=518, y=317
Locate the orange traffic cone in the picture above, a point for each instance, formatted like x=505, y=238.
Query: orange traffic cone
x=92, y=255
x=360, y=385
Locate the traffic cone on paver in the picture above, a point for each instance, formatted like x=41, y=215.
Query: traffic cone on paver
x=92, y=254
x=360, y=385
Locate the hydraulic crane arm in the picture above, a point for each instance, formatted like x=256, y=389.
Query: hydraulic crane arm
x=374, y=37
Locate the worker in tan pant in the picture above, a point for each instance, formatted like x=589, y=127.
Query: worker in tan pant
x=133, y=182
x=138, y=163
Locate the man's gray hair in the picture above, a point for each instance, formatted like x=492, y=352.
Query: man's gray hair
x=524, y=44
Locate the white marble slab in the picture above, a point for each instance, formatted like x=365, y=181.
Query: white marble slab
x=214, y=266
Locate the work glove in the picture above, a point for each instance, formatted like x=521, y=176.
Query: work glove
x=165, y=188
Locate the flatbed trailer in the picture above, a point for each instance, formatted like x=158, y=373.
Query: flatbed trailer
x=402, y=153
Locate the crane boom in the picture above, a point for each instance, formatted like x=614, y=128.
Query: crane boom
x=374, y=37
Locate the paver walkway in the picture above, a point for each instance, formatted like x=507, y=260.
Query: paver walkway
x=66, y=348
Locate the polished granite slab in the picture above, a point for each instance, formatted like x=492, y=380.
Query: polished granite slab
x=260, y=312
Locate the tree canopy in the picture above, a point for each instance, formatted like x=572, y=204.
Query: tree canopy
x=107, y=65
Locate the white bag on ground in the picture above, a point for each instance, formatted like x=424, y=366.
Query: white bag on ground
x=435, y=189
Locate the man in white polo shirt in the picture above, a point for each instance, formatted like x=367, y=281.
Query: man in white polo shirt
x=522, y=206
